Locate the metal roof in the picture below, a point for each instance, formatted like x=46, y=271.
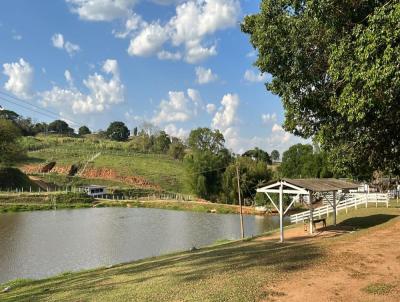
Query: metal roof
x=322, y=184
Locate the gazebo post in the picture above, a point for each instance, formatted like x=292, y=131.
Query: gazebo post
x=334, y=207
x=281, y=210
x=311, y=213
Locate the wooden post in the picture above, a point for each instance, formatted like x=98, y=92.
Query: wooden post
x=240, y=204
x=334, y=207
x=311, y=213
x=281, y=211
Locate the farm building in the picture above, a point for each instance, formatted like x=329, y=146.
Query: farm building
x=94, y=190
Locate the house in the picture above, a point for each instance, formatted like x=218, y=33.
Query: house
x=94, y=190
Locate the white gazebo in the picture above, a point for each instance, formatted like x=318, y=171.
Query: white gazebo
x=308, y=187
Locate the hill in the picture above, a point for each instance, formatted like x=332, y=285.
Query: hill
x=115, y=164
x=11, y=178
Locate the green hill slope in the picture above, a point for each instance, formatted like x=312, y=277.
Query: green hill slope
x=11, y=178
x=116, y=162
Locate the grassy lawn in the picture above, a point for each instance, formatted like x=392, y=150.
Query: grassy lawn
x=238, y=271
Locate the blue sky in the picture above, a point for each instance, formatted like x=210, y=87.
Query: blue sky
x=178, y=64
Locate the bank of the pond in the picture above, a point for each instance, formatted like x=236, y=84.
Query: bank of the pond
x=249, y=270
x=20, y=202
x=14, y=202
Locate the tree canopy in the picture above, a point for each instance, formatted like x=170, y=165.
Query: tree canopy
x=335, y=65
x=117, y=131
x=10, y=149
x=206, y=162
x=83, y=130
x=300, y=161
x=275, y=155
x=60, y=127
x=258, y=155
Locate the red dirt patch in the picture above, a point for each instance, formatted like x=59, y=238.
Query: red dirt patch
x=101, y=173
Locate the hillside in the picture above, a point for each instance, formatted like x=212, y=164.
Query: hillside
x=116, y=164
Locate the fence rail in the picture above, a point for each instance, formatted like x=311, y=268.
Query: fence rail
x=354, y=201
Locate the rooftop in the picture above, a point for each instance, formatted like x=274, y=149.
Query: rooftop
x=322, y=184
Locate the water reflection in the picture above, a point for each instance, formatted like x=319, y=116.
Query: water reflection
x=40, y=244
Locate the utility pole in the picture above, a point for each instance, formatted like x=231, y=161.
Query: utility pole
x=240, y=203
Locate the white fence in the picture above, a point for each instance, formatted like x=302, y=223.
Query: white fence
x=356, y=200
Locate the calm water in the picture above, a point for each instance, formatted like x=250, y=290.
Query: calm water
x=41, y=244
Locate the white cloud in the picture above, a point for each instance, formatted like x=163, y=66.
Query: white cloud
x=101, y=10
x=251, y=76
x=204, y=75
x=277, y=128
x=20, y=78
x=17, y=37
x=68, y=77
x=148, y=41
x=166, y=55
x=225, y=119
x=102, y=94
x=211, y=108
x=172, y=130
x=59, y=42
x=193, y=22
x=269, y=118
x=226, y=115
x=180, y=107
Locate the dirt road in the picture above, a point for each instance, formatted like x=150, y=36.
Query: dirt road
x=363, y=267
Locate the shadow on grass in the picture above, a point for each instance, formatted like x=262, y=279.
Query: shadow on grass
x=232, y=261
x=366, y=221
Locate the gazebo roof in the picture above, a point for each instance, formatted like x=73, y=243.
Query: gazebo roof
x=310, y=185
x=322, y=184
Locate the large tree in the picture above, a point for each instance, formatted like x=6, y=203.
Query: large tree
x=300, y=161
x=252, y=173
x=258, y=155
x=206, y=162
x=60, y=127
x=83, y=130
x=335, y=65
x=275, y=155
x=117, y=131
x=10, y=149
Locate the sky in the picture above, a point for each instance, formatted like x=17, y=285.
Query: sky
x=178, y=64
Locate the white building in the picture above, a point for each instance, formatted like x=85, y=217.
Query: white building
x=94, y=190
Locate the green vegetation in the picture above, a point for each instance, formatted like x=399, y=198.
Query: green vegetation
x=379, y=288
x=43, y=201
x=334, y=64
x=10, y=149
x=252, y=173
x=301, y=161
x=60, y=127
x=236, y=271
x=117, y=131
x=159, y=169
x=207, y=162
x=83, y=130
x=14, y=178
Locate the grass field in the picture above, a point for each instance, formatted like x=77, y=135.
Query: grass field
x=238, y=271
x=159, y=169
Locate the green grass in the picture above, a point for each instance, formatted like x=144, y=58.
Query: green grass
x=237, y=271
x=14, y=178
x=157, y=168
x=379, y=288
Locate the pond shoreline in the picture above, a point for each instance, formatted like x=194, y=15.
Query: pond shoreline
x=18, y=203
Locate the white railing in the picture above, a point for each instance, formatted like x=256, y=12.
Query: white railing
x=354, y=201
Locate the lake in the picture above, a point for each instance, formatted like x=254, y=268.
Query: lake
x=44, y=243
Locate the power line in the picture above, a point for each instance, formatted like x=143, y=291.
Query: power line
x=46, y=112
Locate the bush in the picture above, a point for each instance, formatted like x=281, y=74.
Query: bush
x=72, y=197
